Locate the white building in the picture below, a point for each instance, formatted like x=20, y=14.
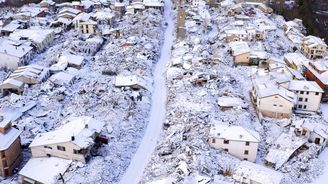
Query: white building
x=271, y=98
x=309, y=95
x=13, y=54
x=72, y=140
x=249, y=173
x=236, y=140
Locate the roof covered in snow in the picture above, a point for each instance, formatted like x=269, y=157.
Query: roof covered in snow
x=296, y=58
x=34, y=34
x=129, y=81
x=153, y=3
x=51, y=169
x=62, y=78
x=319, y=69
x=14, y=48
x=226, y=101
x=256, y=173
x=313, y=41
x=233, y=133
x=82, y=128
x=71, y=59
x=11, y=83
x=299, y=85
x=283, y=148
x=7, y=139
x=239, y=47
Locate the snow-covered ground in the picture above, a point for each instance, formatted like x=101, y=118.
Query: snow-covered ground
x=323, y=178
x=93, y=93
x=158, y=107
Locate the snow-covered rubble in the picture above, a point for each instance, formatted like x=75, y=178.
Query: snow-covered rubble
x=200, y=72
x=91, y=91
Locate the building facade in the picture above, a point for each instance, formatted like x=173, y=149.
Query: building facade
x=236, y=140
x=10, y=149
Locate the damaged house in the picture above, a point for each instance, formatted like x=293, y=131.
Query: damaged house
x=283, y=149
x=14, y=54
x=316, y=133
x=248, y=173
x=40, y=38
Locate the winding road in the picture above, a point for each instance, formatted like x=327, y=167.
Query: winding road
x=158, y=107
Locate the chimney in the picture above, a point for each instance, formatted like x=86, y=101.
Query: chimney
x=86, y=126
x=5, y=125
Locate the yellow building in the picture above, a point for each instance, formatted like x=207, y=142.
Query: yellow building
x=313, y=47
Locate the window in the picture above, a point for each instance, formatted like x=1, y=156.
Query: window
x=275, y=105
x=304, y=132
x=300, y=99
x=245, y=159
x=302, y=92
x=247, y=143
x=4, y=163
x=300, y=106
x=61, y=148
x=226, y=142
x=2, y=154
x=246, y=152
x=280, y=105
x=226, y=150
x=213, y=140
x=306, y=99
x=317, y=93
x=77, y=151
x=304, y=107
x=48, y=147
x=307, y=93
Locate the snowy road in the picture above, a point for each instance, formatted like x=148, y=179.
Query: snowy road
x=157, y=112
